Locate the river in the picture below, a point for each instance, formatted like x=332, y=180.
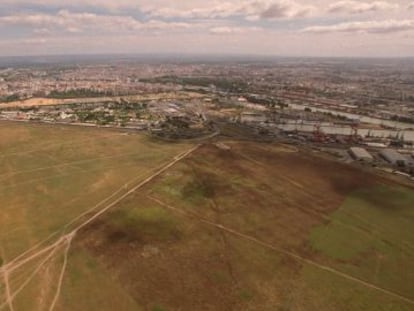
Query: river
x=405, y=130
x=363, y=119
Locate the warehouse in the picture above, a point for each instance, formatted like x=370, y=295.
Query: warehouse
x=393, y=157
x=252, y=117
x=361, y=154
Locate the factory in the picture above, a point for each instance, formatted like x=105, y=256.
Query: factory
x=394, y=157
x=360, y=154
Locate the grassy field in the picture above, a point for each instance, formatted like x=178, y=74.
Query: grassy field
x=371, y=236
x=51, y=175
x=256, y=227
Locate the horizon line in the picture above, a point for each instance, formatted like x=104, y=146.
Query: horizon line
x=206, y=55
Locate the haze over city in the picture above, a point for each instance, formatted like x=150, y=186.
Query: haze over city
x=261, y=27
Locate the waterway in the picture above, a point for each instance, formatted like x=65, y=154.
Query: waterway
x=400, y=129
x=363, y=119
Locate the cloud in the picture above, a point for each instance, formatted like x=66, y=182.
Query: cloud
x=387, y=26
x=31, y=41
x=42, y=31
x=251, y=10
x=112, y=5
x=357, y=7
x=284, y=9
x=222, y=10
x=227, y=30
x=79, y=22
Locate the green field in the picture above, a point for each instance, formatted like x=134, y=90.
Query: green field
x=256, y=227
x=371, y=236
x=52, y=174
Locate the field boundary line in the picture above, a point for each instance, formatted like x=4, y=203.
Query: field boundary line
x=51, y=145
x=63, y=175
x=70, y=163
x=369, y=232
x=285, y=252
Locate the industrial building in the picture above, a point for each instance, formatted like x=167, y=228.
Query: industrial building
x=361, y=154
x=252, y=117
x=394, y=157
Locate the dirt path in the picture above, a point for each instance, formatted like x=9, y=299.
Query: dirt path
x=52, y=235
x=16, y=263
x=62, y=273
x=9, y=300
x=22, y=259
x=286, y=252
x=31, y=276
x=141, y=184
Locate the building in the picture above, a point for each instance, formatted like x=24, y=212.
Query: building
x=376, y=145
x=394, y=157
x=252, y=117
x=361, y=154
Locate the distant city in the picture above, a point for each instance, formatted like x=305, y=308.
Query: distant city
x=330, y=103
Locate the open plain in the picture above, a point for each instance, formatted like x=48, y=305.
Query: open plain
x=97, y=219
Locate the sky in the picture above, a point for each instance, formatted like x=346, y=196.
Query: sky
x=317, y=28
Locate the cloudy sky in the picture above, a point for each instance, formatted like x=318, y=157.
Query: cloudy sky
x=366, y=28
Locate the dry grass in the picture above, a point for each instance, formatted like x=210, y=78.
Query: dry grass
x=178, y=259
x=35, y=102
x=50, y=175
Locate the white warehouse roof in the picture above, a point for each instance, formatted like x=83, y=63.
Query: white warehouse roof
x=361, y=154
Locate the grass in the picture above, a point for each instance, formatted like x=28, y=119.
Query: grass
x=321, y=290
x=371, y=236
x=143, y=256
x=143, y=223
x=183, y=270
x=88, y=286
x=245, y=295
x=158, y=308
x=51, y=174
